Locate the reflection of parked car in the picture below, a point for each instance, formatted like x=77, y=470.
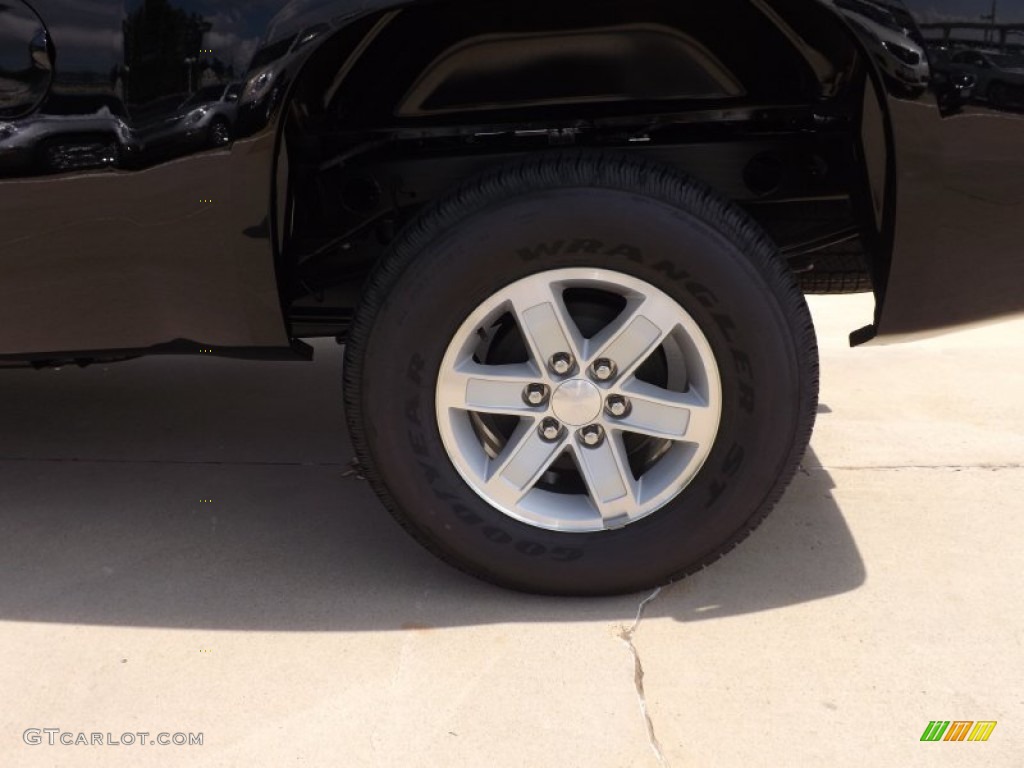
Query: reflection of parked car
x=1000, y=77
x=899, y=56
x=52, y=143
x=953, y=90
x=205, y=119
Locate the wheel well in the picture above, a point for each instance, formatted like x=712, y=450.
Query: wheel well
x=402, y=105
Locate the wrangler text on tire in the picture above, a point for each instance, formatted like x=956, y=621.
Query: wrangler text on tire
x=581, y=375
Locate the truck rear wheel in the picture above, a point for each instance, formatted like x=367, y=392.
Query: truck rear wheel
x=581, y=375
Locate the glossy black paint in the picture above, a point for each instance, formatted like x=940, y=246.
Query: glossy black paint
x=134, y=247
x=26, y=60
x=126, y=225
x=958, y=240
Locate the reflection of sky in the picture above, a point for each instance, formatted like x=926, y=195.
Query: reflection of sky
x=88, y=32
x=238, y=26
x=15, y=26
x=250, y=17
x=1007, y=11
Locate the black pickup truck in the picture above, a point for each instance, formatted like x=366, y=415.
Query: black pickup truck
x=566, y=243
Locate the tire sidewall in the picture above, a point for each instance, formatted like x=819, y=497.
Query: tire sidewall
x=701, y=264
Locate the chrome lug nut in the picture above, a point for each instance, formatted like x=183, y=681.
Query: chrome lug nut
x=562, y=363
x=536, y=395
x=592, y=436
x=550, y=430
x=617, y=406
x=603, y=369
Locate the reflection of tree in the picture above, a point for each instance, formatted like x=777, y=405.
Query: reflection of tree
x=158, y=39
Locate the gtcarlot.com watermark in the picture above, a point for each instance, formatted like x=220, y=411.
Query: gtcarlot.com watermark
x=54, y=737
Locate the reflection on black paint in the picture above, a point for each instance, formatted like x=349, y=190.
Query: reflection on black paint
x=956, y=62
x=26, y=60
x=997, y=77
x=956, y=255
x=179, y=91
x=204, y=120
x=894, y=42
x=168, y=94
x=165, y=54
x=60, y=143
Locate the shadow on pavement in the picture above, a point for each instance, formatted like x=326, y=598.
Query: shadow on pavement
x=212, y=494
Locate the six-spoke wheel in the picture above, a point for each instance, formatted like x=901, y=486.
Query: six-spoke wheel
x=581, y=375
x=571, y=430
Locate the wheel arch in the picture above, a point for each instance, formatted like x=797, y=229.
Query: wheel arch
x=518, y=62
x=452, y=57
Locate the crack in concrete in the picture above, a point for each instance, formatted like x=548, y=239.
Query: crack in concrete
x=627, y=636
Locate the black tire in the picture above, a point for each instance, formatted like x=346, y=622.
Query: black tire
x=699, y=249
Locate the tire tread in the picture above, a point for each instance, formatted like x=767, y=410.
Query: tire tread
x=583, y=168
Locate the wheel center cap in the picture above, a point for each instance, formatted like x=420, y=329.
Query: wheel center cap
x=576, y=403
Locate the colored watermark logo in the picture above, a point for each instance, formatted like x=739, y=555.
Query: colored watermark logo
x=958, y=730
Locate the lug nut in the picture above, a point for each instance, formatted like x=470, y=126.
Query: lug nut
x=617, y=406
x=592, y=436
x=603, y=369
x=536, y=395
x=550, y=430
x=562, y=363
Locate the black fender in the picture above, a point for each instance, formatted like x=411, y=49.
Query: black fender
x=943, y=176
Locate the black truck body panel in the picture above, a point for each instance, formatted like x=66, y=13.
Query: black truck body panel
x=111, y=245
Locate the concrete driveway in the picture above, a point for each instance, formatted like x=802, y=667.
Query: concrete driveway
x=182, y=550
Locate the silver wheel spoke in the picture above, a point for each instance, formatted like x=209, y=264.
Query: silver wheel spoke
x=668, y=415
x=547, y=326
x=488, y=388
x=609, y=480
x=526, y=457
x=630, y=341
x=587, y=406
